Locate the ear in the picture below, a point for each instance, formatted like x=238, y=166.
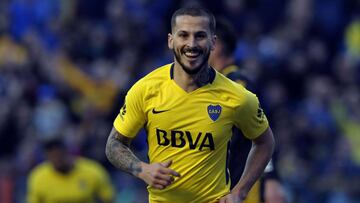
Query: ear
x=213, y=42
x=170, y=41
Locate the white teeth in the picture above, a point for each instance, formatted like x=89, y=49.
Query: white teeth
x=191, y=54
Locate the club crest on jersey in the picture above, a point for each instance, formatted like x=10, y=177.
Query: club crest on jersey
x=214, y=111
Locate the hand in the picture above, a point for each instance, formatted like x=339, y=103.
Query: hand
x=158, y=175
x=230, y=198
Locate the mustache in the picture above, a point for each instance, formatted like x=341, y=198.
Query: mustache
x=192, y=49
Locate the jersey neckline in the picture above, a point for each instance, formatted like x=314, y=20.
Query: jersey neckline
x=211, y=78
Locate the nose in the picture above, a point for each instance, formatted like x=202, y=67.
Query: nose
x=191, y=41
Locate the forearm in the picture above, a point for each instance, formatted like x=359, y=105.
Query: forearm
x=120, y=155
x=259, y=156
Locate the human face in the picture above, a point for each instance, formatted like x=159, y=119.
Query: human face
x=191, y=42
x=60, y=160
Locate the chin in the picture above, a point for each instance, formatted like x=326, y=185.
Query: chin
x=192, y=71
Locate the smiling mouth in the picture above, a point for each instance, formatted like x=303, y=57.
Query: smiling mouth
x=192, y=54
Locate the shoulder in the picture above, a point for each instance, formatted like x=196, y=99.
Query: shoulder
x=89, y=166
x=86, y=163
x=40, y=172
x=228, y=85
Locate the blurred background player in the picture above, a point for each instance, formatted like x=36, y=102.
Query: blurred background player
x=66, y=178
x=268, y=189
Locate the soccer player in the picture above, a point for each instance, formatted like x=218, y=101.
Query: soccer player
x=268, y=189
x=66, y=178
x=188, y=110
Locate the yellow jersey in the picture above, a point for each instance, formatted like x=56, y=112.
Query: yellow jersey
x=86, y=181
x=191, y=129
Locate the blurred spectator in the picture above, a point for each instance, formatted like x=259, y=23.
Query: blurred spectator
x=64, y=178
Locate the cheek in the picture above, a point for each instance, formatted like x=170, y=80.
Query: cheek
x=170, y=45
x=177, y=47
x=207, y=45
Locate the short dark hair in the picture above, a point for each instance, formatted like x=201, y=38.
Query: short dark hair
x=194, y=11
x=54, y=143
x=226, y=34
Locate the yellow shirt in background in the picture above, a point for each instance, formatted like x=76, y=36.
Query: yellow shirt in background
x=87, y=180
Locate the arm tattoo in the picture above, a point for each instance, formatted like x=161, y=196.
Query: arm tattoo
x=120, y=155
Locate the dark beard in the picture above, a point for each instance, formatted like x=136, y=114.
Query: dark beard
x=187, y=69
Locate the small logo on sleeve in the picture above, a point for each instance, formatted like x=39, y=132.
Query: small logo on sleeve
x=123, y=112
x=260, y=114
x=214, y=111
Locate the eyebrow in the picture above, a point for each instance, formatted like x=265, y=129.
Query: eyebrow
x=197, y=32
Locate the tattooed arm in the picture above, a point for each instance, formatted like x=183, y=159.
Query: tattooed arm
x=157, y=175
x=119, y=154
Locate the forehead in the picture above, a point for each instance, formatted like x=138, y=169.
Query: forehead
x=191, y=23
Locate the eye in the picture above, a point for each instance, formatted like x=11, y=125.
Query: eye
x=200, y=36
x=182, y=35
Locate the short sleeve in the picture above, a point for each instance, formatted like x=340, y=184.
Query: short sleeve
x=250, y=118
x=131, y=117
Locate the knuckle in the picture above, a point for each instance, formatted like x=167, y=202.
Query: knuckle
x=168, y=178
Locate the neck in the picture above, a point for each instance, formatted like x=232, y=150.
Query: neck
x=189, y=82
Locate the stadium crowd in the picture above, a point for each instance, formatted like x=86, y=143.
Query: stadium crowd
x=65, y=66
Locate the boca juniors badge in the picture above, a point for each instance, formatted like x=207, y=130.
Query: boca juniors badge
x=214, y=111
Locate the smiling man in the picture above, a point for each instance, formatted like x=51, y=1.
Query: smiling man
x=188, y=110
x=191, y=47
